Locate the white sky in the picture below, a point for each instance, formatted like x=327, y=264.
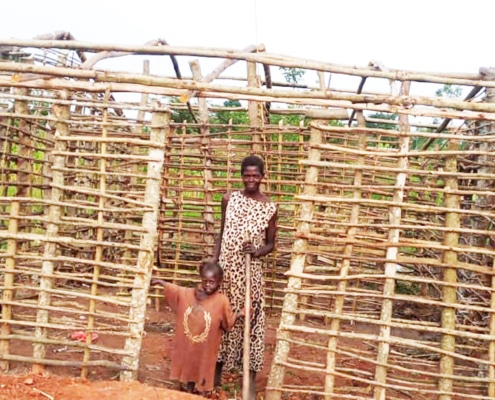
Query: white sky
x=420, y=35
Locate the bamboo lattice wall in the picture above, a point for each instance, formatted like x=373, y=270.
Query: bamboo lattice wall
x=384, y=264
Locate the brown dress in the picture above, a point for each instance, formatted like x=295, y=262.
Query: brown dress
x=242, y=215
x=200, y=325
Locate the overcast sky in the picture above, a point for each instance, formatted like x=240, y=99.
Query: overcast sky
x=421, y=35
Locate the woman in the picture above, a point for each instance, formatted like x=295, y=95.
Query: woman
x=248, y=225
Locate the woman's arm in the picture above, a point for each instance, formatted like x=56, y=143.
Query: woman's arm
x=218, y=244
x=270, y=239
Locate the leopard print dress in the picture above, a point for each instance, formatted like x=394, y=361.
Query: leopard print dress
x=243, y=215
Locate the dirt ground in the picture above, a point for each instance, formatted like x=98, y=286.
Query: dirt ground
x=64, y=383
x=59, y=383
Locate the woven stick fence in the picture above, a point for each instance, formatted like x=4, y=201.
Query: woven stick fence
x=383, y=273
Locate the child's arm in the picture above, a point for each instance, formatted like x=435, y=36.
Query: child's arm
x=170, y=291
x=230, y=317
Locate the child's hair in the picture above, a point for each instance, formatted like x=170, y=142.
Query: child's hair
x=208, y=265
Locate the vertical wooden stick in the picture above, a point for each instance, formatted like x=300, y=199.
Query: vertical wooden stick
x=247, y=331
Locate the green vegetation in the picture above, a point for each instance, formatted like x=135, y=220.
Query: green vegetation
x=229, y=116
x=405, y=287
x=450, y=91
x=292, y=75
x=382, y=141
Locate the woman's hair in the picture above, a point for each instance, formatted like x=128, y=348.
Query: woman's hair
x=207, y=265
x=253, y=161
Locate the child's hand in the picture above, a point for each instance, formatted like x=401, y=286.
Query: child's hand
x=160, y=282
x=242, y=313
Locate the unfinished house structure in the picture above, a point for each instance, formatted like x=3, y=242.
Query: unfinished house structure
x=113, y=159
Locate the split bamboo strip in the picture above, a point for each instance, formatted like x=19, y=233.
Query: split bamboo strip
x=76, y=311
x=391, y=169
x=68, y=293
x=77, y=364
x=384, y=297
x=66, y=240
x=62, y=343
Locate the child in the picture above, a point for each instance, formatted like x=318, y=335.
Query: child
x=202, y=315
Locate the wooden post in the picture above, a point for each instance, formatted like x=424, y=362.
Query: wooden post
x=395, y=216
x=297, y=264
x=159, y=132
x=8, y=282
x=246, y=357
x=10, y=263
x=338, y=307
x=62, y=114
x=208, y=215
x=255, y=119
x=486, y=167
x=449, y=291
x=99, y=237
x=491, y=346
x=128, y=235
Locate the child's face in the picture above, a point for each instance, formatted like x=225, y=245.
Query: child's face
x=210, y=282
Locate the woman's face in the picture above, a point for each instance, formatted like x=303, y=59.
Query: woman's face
x=251, y=178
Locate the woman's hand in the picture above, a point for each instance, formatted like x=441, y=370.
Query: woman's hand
x=248, y=248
